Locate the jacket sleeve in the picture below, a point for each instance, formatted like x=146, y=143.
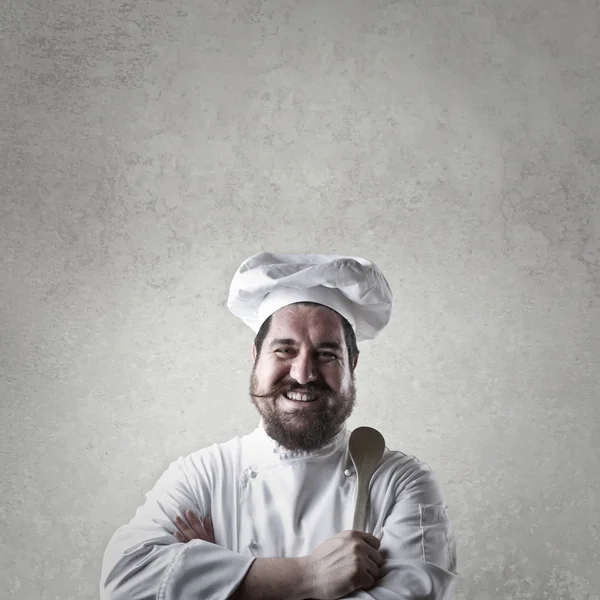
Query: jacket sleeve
x=144, y=561
x=417, y=543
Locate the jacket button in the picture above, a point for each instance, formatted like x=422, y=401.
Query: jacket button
x=347, y=472
x=252, y=545
x=252, y=473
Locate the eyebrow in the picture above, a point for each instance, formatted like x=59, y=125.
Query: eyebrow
x=292, y=342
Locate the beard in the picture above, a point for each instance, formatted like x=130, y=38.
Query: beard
x=303, y=429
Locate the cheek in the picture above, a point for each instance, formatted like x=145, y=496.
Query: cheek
x=336, y=380
x=275, y=373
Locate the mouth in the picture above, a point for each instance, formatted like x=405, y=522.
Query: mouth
x=294, y=402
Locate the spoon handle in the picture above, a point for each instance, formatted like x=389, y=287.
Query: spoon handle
x=360, y=510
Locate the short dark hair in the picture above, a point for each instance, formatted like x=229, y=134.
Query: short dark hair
x=349, y=335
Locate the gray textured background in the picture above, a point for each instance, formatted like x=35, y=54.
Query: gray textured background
x=149, y=147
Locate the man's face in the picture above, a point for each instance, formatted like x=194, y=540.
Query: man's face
x=305, y=365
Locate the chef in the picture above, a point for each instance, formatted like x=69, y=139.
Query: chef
x=269, y=515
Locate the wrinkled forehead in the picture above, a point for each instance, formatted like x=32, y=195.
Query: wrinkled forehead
x=307, y=321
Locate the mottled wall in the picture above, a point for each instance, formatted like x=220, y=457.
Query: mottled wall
x=149, y=147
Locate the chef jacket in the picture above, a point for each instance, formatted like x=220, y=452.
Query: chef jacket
x=266, y=501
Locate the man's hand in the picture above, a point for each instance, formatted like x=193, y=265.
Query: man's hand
x=344, y=563
x=193, y=528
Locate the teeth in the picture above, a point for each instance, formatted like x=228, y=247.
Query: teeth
x=301, y=397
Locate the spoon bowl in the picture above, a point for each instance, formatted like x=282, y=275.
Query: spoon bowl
x=366, y=447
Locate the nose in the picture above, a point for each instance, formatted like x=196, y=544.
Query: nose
x=303, y=370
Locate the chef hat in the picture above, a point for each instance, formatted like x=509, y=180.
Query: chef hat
x=352, y=286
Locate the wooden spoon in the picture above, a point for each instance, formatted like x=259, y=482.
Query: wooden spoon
x=366, y=447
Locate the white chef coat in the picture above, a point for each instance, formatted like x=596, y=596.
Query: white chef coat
x=266, y=501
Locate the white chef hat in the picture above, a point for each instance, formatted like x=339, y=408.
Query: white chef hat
x=352, y=286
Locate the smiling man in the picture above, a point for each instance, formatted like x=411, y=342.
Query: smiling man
x=303, y=386
x=278, y=504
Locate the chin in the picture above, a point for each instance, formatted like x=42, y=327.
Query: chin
x=299, y=432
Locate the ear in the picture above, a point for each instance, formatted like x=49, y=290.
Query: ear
x=355, y=361
x=253, y=353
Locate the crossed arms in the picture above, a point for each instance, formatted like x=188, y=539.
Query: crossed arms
x=145, y=561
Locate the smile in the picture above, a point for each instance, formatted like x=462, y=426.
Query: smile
x=293, y=401
x=301, y=396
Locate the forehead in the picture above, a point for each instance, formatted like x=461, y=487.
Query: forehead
x=312, y=321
